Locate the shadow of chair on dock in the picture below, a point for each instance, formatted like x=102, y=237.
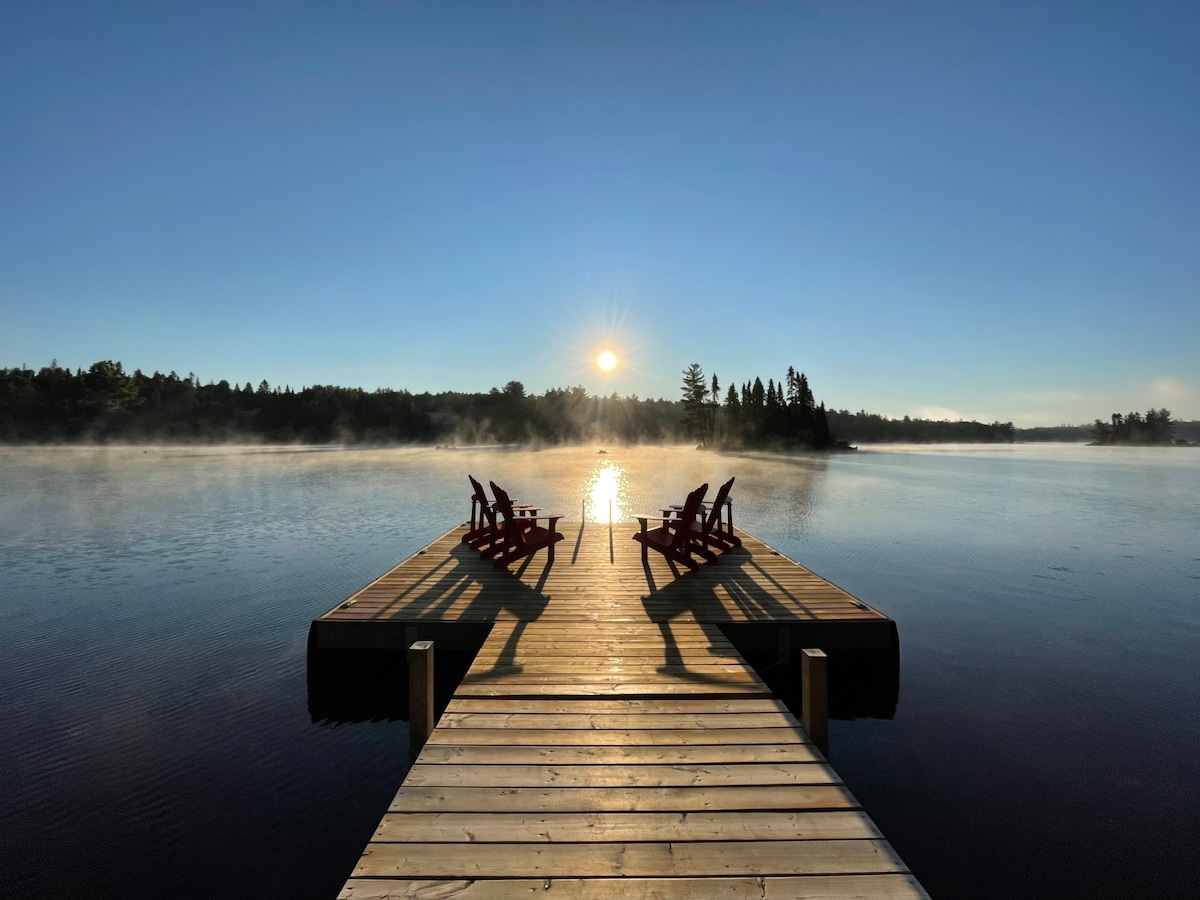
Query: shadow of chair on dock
x=708, y=593
x=478, y=590
x=675, y=663
x=506, y=660
x=739, y=599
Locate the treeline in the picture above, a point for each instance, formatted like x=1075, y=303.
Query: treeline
x=1155, y=427
x=872, y=428
x=104, y=403
x=774, y=416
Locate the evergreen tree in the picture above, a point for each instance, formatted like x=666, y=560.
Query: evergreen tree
x=695, y=394
x=822, y=436
x=771, y=413
x=807, y=410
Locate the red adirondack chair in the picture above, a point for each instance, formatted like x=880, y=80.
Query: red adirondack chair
x=520, y=535
x=483, y=529
x=707, y=531
x=480, y=509
x=673, y=537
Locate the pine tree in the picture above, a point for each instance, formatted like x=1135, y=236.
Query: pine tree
x=822, y=436
x=695, y=393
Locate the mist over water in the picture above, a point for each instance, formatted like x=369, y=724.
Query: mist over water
x=154, y=606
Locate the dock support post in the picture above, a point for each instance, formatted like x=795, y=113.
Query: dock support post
x=814, y=672
x=420, y=695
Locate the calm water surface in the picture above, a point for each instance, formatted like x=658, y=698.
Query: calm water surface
x=154, y=607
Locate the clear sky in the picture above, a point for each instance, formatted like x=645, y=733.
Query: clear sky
x=942, y=209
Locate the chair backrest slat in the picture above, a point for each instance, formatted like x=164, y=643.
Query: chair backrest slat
x=687, y=516
x=512, y=529
x=484, y=503
x=714, y=514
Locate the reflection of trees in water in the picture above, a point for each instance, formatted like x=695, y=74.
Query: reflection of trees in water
x=781, y=490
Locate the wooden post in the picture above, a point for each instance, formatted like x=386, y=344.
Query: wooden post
x=814, y=671
x=420, y=695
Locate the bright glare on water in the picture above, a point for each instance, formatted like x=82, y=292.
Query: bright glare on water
x=607, y=492
x=156, y=602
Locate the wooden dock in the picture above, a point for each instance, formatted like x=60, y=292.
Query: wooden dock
x=609, y=741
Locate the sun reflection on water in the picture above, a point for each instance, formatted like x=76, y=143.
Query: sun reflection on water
x=606, y=484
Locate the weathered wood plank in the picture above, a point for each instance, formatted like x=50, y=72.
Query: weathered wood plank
x=619, y=755
x=594, y=721
x=429, y=860
x=630, y=826
x=602, y=673
x=785, y=734
x=592, y=706
x=812, y=887
x=602, y=689
x=597, y=776
x=657, y=799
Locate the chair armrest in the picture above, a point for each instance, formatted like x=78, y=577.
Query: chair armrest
x=551, y=519
x=646, y=517
x=677, y=508
x=533, y=518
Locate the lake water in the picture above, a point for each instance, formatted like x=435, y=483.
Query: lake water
x=154, y=608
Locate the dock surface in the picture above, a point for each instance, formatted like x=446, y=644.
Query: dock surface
x=598, y=578
x=609, y=741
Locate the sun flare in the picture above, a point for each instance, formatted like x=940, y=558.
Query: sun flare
x=607, y=361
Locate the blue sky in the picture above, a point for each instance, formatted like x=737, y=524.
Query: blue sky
x=933, y=209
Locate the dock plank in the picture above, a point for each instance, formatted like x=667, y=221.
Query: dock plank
x=629, y=860
x=617, y=754
x=599, y=776
x=754, y=825
x=813, y=887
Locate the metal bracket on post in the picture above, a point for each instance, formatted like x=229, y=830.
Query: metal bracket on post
x=420, y=696
x=814, y=672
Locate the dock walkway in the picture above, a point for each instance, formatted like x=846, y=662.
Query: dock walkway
x=609, y=741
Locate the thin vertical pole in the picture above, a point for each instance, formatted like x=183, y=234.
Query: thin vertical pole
x=420, y=695
x=611, y=549
x=814, y=670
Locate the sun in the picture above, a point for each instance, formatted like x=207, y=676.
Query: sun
x=607, y=361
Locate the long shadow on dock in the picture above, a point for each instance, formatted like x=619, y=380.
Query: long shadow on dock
x=737, y=576
x=463, y=574
x=769, y=627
